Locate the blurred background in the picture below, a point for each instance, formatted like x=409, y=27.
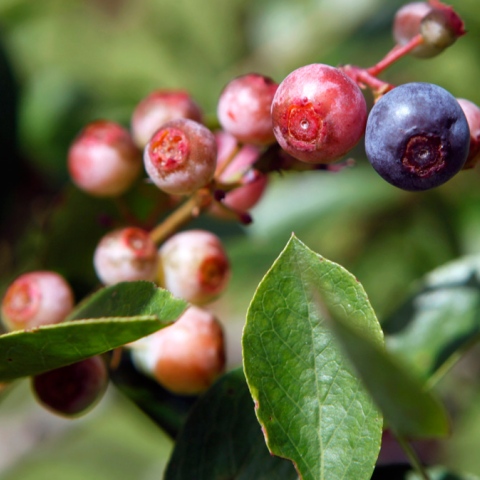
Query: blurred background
x=63, y=64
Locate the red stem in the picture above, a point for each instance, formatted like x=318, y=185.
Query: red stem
x=394, y=54
x=362, y=78
x=368, y=76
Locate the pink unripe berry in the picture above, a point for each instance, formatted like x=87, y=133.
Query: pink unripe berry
x=103, y=160
x=239, y=169
x=318, y=113
x=244, y=108
x=35, y=299
x=126, y=255
x=472, y=112
x=194, y=266
x=439, y=25
x=74, y=389
x=158, y=108
x=185, y=357
x=181, y=157
x=406, y=25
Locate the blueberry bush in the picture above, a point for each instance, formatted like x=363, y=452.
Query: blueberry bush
x=237, y=245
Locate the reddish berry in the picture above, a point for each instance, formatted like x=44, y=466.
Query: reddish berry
x=318, y=113
x=238, y=170
x=158, y=108
x=103, y=159
x=194, y=266
x=439, y=25
x=35, y=299
x=126, y=255
x=185, y=357
x=406, y=25
x=244, y=108
x=472, y=112
x=73, y=389
x=181, y=157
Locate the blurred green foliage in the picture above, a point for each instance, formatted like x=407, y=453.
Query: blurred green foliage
x=63, y=64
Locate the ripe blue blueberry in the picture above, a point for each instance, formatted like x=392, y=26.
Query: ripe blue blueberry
x=417, y=136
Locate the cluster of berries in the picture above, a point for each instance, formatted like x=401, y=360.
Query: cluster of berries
x=185, y=358
x=417, y=136
x=44, y=298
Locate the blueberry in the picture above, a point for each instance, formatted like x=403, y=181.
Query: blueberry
x=417, y=136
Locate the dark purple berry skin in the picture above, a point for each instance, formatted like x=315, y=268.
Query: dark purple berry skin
x=73, y=389
x=417, y=136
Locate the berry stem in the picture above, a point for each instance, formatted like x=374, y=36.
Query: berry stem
x=191, y=208
x=362, y=78
x=368, y=76
x=221, y=168
x=397, y=52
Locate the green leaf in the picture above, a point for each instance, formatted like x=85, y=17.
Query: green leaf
x=129, y=299
x=409, y=409
x=313, y=408
x=221, y=439
x=110, y=318
x=441, y=315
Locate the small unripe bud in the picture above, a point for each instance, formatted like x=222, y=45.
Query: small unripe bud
x=439, y=25
x=74, y=389
x=244, y=108
x=158, y=108
x=406, y=25
x=181, y=157
x=103, y=160
x=126, y=255
x=185, y=357
x=35, y=299
x=194, y=266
